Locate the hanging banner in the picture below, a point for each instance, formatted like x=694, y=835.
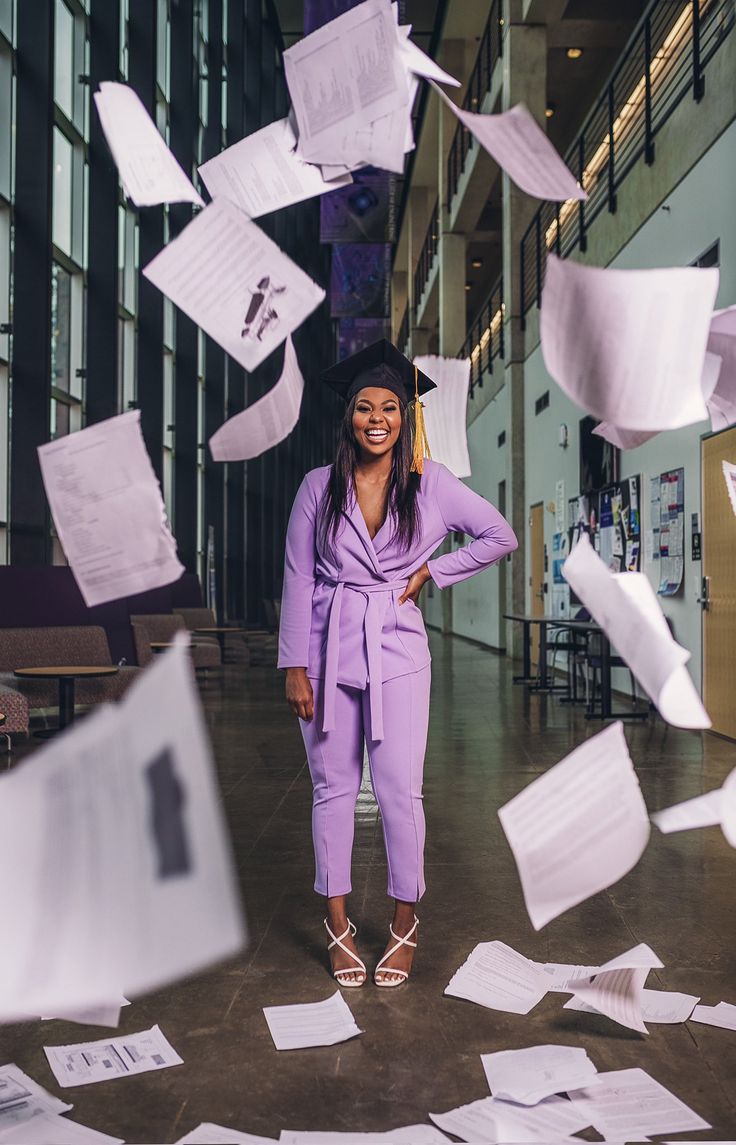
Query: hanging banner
x=360, y=280
x=362, y=212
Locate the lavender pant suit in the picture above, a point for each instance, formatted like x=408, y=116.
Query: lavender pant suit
x=368, y=659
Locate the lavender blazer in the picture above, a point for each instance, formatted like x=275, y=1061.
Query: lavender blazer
x=339, y=613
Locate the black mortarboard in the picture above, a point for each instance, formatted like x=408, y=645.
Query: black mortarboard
x=379, y=364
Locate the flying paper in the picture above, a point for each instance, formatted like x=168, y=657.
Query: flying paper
x=133, y=779
x=528, y=1076
x=263, y=173
x=496, y=976
x=616, y=990
x=578, y=828
x=108, y=510
x=723, y=1015
x=234, y=282
x=627, y=609
x=722, y=341
x=268, y=421
x=702, y=811
x=628, y=346
x=445, y=411
x=422, y=65
x=148, y=171
x=666, y=1007
x=729, y=476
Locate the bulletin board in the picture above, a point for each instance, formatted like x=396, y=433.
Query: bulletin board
x=671, y=531
x=619, y=525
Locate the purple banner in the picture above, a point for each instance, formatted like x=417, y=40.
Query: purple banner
x=364, y=212
x=319, y=12
x=360, y=280
x=354, y=334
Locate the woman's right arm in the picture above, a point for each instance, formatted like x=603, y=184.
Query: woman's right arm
x=296, y=602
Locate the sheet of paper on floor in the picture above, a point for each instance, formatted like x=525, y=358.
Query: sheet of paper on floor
x=263, y=173
x=562, y=973
x=667, y=1007
x=626, y=607
x=268, y=421
x=234, y=282
x=701, y=811
x=518, y=144
x=499, y=978
x=410, y=1134
x=137, y=779
x=311, y=1024
x=627, y=1104
x=446, y=411
x=84, y=1063
x=722, y=341
x=210, y=1134
x=723, y=1015
x=579, y=827
x=22, y=1098
x=343, y=76
x=108, y=510
x=528, y=1076
x=45, y=1129
x=616, y=990
x=501, y=1121
x=628, y=346
x=148, y=170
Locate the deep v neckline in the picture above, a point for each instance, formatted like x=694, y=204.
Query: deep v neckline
x=361, y=514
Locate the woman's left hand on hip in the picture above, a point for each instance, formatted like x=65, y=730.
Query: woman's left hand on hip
x=415, y=584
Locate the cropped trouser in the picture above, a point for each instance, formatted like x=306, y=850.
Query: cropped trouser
x=396, y=765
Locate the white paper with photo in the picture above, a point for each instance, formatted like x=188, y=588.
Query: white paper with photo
x=207, y=1133
x=722, y=1015
x=446, y=411
x=148, y=170
x=626, y=607
x=498, y=977
x=627, y=1104
x=527, y=1076
x=702, y=811
x=108, y=510
x=343, y=76
x=263, y=173
x=501, y=1121
x=235, y=283
x=311, y=1024
x=44, y=1128
x=579, y=827
x=84, y=1063
x=22, y=1098
x=268, y=421
x=616, y=990
x=518, y=144
x=628, y=346
x=135, y=779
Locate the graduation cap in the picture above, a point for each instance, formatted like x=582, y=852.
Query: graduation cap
x=382, y=365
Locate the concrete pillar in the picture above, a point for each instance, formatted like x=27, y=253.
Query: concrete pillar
x=453, y=276
x=524, y=80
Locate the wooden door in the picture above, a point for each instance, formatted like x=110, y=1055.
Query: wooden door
x=719, y=581
x=536, y=578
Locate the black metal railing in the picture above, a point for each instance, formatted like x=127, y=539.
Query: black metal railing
x=403, y=335
x=664, y=61
x=484, y=342
x=427, y=256
x=489, y=51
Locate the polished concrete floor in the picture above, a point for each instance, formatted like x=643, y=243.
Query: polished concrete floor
x=420, y=1050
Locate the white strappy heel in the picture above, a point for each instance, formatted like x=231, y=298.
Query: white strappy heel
x=359, y=967
x=403, y=974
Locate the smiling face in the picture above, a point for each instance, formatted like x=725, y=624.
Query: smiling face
x=377, y=419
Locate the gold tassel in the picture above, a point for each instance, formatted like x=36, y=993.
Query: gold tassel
x=421, y=445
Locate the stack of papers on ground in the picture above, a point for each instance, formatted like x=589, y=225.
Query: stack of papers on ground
x=408, y=1135
x=616, y=990
x=108, y=510
x=21, y=1098
x=498, y=977
x=528, y=1076
x=45, y=1129
x=312, y=1024
x=627, y=609
x=268, y=421
x=234, y=282
x=210, y=1134
x=148, y=171
x=629, y=1105
x=578, y=828
x=723, y=1015
x=657, y=1006
x=446, y=411
x=136, y=779
x=555, y=1118
x=263, y=173
x=88, y=1062
x=628, y=346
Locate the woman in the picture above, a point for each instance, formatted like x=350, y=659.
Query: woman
x=352, y=638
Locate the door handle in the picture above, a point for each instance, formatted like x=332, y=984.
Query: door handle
x=704, y=598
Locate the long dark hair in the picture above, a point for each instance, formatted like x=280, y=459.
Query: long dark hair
x=402, y=490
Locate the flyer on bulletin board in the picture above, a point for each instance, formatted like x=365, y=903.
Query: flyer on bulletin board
x=671, y=531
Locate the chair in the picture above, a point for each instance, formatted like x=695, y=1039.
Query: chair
x=56, y=645
x=14, y=706
x=591, y=660
x=162, y=627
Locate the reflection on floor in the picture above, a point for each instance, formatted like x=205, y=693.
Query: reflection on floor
x=420, y=1051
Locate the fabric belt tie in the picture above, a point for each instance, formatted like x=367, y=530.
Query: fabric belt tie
x=373, y=627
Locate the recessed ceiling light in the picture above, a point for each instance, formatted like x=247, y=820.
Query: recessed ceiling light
x=468, y=286
x=549, y=110
x=476, y=263
x=574, y=53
